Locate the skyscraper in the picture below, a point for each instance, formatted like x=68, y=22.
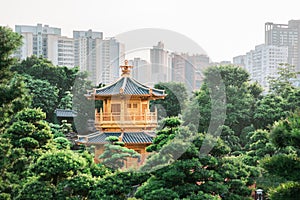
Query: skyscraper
x=161, y=64
x=60, y=50
x=141, y=70
x=87, y=53
x=200, y=62
x=285, y=35
x=263, y=62
x=111, y=57
x=47, y=42
x=188, y=69
x=240, y=60
x=100, y=57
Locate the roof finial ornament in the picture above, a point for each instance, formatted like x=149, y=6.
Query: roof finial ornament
x=126, y=69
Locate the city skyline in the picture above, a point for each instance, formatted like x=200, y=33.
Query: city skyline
x=94, y=54
x=223, y=29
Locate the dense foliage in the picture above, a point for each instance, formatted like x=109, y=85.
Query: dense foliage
x=115, y=153
x=49, y=85
x=224, y=142
x=175, y=101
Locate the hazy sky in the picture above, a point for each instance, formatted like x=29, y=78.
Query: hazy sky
x=223, y=28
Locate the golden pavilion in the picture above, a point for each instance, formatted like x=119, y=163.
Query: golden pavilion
x=125, y=114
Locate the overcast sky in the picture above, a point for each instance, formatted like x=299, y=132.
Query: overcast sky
x=223, y=28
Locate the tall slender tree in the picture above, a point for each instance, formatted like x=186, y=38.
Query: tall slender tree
x=13, y=95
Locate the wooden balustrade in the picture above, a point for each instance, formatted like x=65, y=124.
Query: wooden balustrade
x=132, y=117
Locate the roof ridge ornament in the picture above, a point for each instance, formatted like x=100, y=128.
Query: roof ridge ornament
x=126, y=68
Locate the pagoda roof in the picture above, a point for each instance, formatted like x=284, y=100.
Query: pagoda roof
x=126, y=85
x=127, y=137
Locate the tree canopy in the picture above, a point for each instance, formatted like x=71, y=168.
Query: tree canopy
x=116, y=154
x=253, y=142
x=174, y=102
x=49, y=85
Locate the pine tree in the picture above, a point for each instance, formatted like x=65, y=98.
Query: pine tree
x=115, y=153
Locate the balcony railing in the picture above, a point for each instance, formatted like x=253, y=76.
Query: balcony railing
x=131, y=118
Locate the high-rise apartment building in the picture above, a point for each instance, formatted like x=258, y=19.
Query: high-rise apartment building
x=141, y=70
x=111, y=57
x=200, y=62
x=188, y=69
x=87, y=53
x=240, y=61
x=60, y=50
x=47, y=42
x=161, y=64
x=285, y=35
x=100, y=57
x=263, y=62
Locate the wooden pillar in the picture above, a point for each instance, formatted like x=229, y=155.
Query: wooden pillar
x=96, y=115
x=155, y=117
x=122, y=110
x=141, y=107
x=101, y=113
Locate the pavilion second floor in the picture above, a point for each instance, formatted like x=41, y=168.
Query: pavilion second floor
x=115, y=121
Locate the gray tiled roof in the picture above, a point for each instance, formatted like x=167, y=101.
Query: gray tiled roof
x=128, y=137
x=128, y=86
x=65, y=113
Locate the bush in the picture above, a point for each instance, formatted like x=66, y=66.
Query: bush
x=286, y=191
x=286, y=166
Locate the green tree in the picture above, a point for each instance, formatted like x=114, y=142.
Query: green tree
x=76, y=187
x=56, y=166
x=7, y=178
x=287, y=132
x=282, y=165
x=9, y=42
x=13, y=95
x=115, y=154
x=293, y=99
x=259, y=146
x=282, y=85
x=281, y=99
x=36, y=189
x=195, y=176
x=174, y=102
x=62, y=174
x=29, y=131
x=169, y=126
x=228, y=136
x=44, y=95
x=61, y=80
x=226, y=95
x=28, y=137
x=40, y=68
x=62, y=143
x=66, y=101
x=65, y=127
x=289, y=190
x=13, y=98
x=179, y=169
x=269, y=109
x=198, y=111
x=284, y=134
x=118, y=185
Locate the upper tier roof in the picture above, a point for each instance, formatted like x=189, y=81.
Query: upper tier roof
x=127, y=85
